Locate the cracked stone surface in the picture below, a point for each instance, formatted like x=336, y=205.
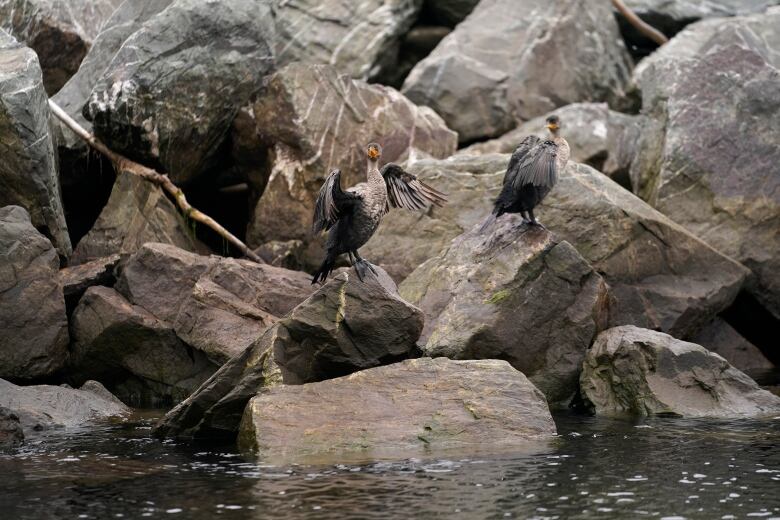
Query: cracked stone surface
x=634, y=371
x=418, y=407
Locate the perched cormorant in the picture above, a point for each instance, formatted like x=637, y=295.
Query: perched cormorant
x=532, y=172
x=352, y=216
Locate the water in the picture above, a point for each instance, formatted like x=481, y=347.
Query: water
x=596, y=468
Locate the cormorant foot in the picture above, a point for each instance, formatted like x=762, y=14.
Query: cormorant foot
x=536, y=223
x=362, y=267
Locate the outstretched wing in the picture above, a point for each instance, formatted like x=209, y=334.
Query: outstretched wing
x=537, y=166
x=405, y=190
x=332, y=202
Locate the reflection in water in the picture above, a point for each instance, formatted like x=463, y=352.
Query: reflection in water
x=597, y=468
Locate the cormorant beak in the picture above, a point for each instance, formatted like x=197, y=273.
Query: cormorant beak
x=552, y=127
x=373, y=153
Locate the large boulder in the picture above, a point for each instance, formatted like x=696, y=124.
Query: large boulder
x=598, y=136
x=346, y=326
x=409, y=409
x=315, y=119
x=11, y=431
x=33, y=326
x=28, y=169
x=59, y=32
x=136, y=213
x=171, y=91
x=359, y=39
x=518, y=59
x=708, y=154
x=41, y=407
x=720, y=337
x=515, y=293
x=217, y=305
x=137, y=355
x=634, y=371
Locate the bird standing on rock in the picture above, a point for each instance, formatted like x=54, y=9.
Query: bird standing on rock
x=531, y=174
x=352, y=216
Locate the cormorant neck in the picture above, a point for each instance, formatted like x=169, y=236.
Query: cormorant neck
x=554, y=133
x=373, y=164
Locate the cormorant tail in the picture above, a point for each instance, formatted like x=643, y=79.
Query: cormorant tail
x=490, y=220
x=325, y=269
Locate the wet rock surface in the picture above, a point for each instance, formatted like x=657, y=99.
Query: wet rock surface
x=314, y=119
x=515, y=293
x=493, y=70
x=11, y=432
x=171, y=91
x=28, y=169
x=633, y=371
x=33, y=327
x=347, y=325
x=402, y=410
x=697, y=163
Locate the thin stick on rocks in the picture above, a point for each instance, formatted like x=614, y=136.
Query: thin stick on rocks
x=122, y=163
x=647, y=30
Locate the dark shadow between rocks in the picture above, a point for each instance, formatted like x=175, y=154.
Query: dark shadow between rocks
x=755, y=323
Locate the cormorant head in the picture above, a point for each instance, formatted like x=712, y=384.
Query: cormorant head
x=374, y=151
x=553, y=124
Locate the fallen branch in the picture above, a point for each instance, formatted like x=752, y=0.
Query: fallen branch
x=122, y=163
x=644, y=28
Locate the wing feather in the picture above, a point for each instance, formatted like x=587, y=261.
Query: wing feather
x=332, y=202
x=538, y=166
x=405, y=190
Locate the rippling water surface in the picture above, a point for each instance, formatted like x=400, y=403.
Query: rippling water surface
x=597, y=468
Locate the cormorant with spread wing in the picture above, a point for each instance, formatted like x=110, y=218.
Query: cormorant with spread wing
x=352, y=216
x=532, y=172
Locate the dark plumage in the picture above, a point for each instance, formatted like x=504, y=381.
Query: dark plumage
x=531, y=174
x=352, y=216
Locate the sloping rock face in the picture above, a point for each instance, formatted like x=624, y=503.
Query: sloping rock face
x=399, y=411
x=136, y=213
x=697, y=161
x=137, y=355
x=42, y=407
x=513, y=293
x=11, y=432
x=220, y=306
x=406, y=239
x=347, y=325
x=494, y=68
x=721, y=338
x=358, y=38
x=314, y=120
x=33, y=327
x=28, y=169
x=172, y=90
x=598, y=136
x=642, y=372
x=59, y=32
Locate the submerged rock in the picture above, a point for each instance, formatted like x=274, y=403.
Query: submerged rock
x=33, y=326
x=417, y=407
x=636, y=371
x=721, y=338
x=28, y=168
x=518, y=59
x=42, y=407
x=11, y=432
x=314, y=120
x=708, y=155
x=347, y=325
x=60, y=32
x=170, y=93
x=514, y=293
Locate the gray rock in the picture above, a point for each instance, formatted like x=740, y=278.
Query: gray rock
x=219, y=306
x=721, y=338
x=136, y=213
x=137, y=355
x=315, y=119
x=347, y=325
x=513, y=293
x=42, y=407
x=357, y=38
x=60, y=32
x=598, y=136
x=33, y=327
x=168, y=99
x=420, y=407
x=11, y=432
x=448, y=12
x=28, y=170
x=78, y=278
x=501, y=64
x=633, y=371
x=697, y=162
